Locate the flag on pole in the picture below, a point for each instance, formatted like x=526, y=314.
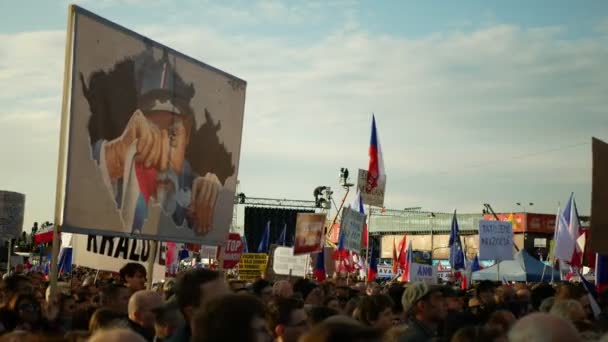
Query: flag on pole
x=408, y=262
x=341, y=253
x=456, y=252
x=568, y=232
x=319, y=271
x=265, y=242
x=395, y=260
x=245, y=247
x=282, y=238
x=592, y=295
x=375, y=170
x=475, y=266
x=402, y=253
x=372, y=272
x=601, y=272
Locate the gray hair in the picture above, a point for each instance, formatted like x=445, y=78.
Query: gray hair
x=569, y=309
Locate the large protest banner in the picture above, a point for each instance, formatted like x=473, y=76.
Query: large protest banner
x=109, y=253
x=495, y=240
x=599, y=198
x=310, y=233
x=252, y=266
x=352, y=227
x=154, y=138
x=374, y=197
x=12, y=205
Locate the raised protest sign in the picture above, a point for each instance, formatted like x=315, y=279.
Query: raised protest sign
x=422, y=272
x=495, y=240
x=154, y=138
x=231, y=251
x=376, y=196
x=352, y=227
x=284, y=262
x=12, y=206
x=310, y=233
x=599, y=198
x=109, y=253
x=252, y=266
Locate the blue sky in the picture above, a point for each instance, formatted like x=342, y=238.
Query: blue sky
x=476, y=101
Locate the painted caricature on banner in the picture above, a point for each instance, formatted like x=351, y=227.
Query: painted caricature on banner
x=154, y=139
x=310, y=234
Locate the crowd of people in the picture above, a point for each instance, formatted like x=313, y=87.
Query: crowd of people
x=201, y=305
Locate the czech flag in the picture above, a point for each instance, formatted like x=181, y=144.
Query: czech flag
x=319, y=271
x=372, y=272
x=375, y=170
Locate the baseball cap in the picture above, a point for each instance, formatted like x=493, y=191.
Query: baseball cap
x=415, y=292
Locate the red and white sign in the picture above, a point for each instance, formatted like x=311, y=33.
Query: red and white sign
x=232, y=251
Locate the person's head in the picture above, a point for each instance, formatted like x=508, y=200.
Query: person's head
x=167, y=322
x=566, y=291
x=168, y=288
x=584, y=300
x=485, y=293
x=569, y=309
x=115, y=298
x=333, y=303
x=67, y=306
x=454, y=299
x=232, y=317
x=311, y=293
x=282, y=288
x=287, y=319
x=547, y=304
x=197, y=286
x=372, y=288
x=350, y=306
x=501, y=321
x=133, y=275
x=15, y=284
x=340, y=328
x=504, y=294
x=376, y=311
x=524, y=295
x=142, y=305
x=262, y=289
x=116, y=335
x=424, y=302
x=104, y=318
x=541, y=327
x=540, y=292
x=26, y=308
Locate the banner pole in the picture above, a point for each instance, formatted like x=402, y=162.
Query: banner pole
x=150, y=270
x=8, y=260
x=62, y=158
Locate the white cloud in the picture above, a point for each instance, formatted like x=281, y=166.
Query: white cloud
x=446, y=102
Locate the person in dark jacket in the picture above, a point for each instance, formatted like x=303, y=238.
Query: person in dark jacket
x=425, y=308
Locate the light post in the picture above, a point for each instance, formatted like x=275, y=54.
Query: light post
x=523, y=205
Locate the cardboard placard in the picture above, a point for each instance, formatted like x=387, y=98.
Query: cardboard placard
x=352, y=227
x=421, y=272
x=252, y=266
x=376, y=196
x=284, y=262
x=232, y=251
x=599, y=198
x=12, y=205
x=495, y=240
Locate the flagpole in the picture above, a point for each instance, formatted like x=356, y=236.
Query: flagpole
x=369, y=224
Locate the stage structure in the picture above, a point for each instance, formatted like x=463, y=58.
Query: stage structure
x=281, y=213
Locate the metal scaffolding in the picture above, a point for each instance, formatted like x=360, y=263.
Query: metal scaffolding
x=274, y=202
